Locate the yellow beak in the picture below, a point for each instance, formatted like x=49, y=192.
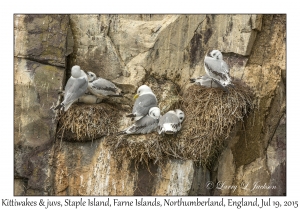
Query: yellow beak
x=135, y=96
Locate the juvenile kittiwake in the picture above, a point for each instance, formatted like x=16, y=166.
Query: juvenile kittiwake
x=145, y=99
x=76, y=86
x=145, y=124
x=99, y=86
x=217, y=69
x=204, y=81
x=170, y=123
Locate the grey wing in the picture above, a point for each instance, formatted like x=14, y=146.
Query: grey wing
x=105, y=85
x=74, y=89
x=146, y=124
x=168, y=118
x=143, y=104
x=69, y=84
x=224, y=67
x=215, y=67
x=207, y=82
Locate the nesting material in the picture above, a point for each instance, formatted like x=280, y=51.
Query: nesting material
x=211, y=114
x=139, y=148
x=88, y=122
x=142, y=148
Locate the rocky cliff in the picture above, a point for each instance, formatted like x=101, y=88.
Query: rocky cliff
x=164, y=51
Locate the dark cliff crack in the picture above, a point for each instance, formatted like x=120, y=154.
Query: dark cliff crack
x=114, y=46
x=276, y=127
x=200, y=24
x=40, y=61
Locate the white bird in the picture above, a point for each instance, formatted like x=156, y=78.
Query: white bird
x=204, y=81
x=144, y=125
x=76, y=86
x=145, y=99
x=217, y=69
x=102, y=87
x=170, y=123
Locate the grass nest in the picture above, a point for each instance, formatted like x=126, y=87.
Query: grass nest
x=82, y=122
x=211, y=115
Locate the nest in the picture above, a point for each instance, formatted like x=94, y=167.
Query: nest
x=211, y=115
x=88, y=122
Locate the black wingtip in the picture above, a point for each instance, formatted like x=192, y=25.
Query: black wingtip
x=130, y=115
x=231, y=85
x=221, y=86
x=120, y=133
x=192, y=80
x=120, y=95
x=59, y=106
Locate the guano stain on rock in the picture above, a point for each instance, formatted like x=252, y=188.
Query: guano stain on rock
x=195, y=52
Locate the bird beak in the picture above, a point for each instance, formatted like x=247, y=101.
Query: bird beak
x=135, y=96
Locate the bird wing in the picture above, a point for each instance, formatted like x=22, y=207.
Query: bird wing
x=74, y=89
x=105, y=85
x=143, y=103
x=146, y=124
x=216, y=67
x=224, y=67
x=168, y=118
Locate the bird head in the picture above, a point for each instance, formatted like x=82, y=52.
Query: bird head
x=142, y=90
x=75, y=71
x=154, y=112
x=216, y=54
x=180, y=114
x=91, y=76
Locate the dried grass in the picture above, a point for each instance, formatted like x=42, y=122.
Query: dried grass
x=211, y=114
x=210, y=117
x=88, y=122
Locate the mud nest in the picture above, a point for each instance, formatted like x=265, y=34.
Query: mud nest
x=87, y=122
x=211, y=115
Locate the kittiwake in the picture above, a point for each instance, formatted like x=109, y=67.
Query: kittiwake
x=145, y=124
x=145, y=99
x=217, y=69
x=102, y=87
x=76, y=86
x=170, y=123
x=204, y=81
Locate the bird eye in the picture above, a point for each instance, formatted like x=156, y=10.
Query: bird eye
x=181, y=118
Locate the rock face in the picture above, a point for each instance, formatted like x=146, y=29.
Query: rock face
x=129, y=50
